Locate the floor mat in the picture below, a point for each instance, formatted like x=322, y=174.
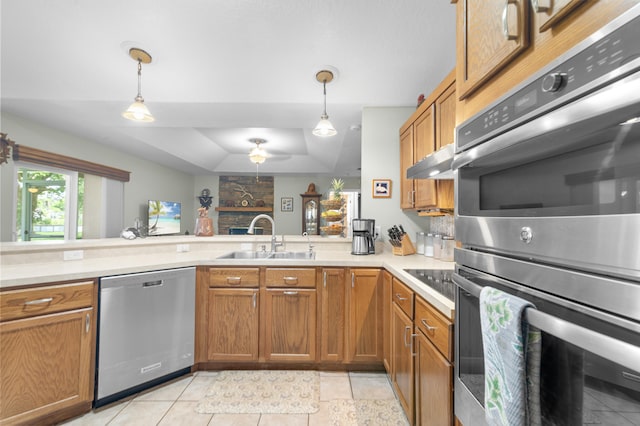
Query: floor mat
x=263, y=391
x=361, y=412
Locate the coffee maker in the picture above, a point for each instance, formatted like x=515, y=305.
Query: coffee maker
x=363, y=236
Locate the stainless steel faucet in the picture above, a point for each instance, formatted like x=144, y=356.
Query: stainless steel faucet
x=274, y=243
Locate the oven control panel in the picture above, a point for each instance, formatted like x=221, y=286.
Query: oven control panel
x=583, y=71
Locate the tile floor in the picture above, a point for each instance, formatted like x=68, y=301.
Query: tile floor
x=174, y=403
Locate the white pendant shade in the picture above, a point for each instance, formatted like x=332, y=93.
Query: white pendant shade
x=324, y=128
x=138, y=111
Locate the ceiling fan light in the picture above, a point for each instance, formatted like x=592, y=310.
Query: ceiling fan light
x=257, y=155
x=138, y=111
x=324, y=127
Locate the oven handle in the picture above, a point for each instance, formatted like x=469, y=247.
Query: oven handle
x=602, y=345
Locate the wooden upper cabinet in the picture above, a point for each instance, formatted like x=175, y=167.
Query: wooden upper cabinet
x=445, y=117
x=491, y=33
x=424, y=144
x=549, y=12
x=406, y=161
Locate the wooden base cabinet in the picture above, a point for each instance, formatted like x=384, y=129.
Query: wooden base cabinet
x=46, y=351
x=290, y=326
x=402, y=371
x=365, y=316
x=233, y=317
x=332, y=314
x=433, y=392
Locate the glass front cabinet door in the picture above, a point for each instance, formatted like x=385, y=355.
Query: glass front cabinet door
x=311, y=213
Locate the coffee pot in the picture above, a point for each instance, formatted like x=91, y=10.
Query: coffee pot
x=363, y=241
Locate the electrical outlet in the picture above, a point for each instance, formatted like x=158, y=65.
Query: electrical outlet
x=73, y=254
x=182, y=248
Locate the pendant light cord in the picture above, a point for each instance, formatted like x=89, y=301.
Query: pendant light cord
x=139, y=79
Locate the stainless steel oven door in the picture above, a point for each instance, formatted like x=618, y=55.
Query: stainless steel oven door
x=590, y=368
x=563, y=188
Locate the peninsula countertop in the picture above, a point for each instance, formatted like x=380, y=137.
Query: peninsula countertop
x=32, y=263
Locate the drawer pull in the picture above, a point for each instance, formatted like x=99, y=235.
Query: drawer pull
x=39, y=301
x=429, y=328
x=290, y=280
x=234, y=280
x=400, y=298
x=291, y=293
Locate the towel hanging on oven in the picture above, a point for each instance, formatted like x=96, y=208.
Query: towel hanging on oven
x=512, y=351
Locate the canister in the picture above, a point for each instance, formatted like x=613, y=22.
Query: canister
x=437, y=246
x=448, y=244
x=428, y=245
x=420, y=242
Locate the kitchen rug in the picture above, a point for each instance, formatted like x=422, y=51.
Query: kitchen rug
x=263, y=391
x=369, y=412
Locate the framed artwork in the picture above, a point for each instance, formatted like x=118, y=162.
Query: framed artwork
x=286, y=204
x=381, y=188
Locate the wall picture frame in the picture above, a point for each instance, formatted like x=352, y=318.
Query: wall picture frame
x=286, y=204
x=381, y=188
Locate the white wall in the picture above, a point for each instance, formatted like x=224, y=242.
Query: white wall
x=148, y=180
x=381, y=160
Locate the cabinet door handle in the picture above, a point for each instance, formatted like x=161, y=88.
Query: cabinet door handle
x=290, y=280
x=234, y=280
x=537, y=7
x=400, y=298
x=291, y=293
x=505, y=20
x=87, y=323
x=39, y=301
x=353, y=280
x=406, y=328
x=429, y=328
x=255, y=300
x=324, y=279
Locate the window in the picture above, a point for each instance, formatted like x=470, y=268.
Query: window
x=49, y=204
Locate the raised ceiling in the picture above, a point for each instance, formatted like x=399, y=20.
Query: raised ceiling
x=222, y=72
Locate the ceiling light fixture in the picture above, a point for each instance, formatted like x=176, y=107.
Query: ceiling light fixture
x=258, y=155
x=138, y=111
x=324, y=127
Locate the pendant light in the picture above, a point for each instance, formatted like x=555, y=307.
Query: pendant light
x=138, y=111
x=324, y=127
x=258, y=155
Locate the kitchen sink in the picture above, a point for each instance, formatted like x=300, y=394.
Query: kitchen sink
x=248, y=254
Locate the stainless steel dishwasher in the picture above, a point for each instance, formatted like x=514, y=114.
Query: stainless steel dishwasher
x=145, y=332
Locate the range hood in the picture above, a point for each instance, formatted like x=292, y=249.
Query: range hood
x=434, y=166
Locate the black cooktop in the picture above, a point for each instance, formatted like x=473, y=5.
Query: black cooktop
x=437, y=279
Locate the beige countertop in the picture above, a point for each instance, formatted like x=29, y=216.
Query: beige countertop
x=24, y=264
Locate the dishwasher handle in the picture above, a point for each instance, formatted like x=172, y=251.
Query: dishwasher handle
x=156, y=283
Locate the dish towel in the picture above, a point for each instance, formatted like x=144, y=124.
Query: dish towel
x=512, y=351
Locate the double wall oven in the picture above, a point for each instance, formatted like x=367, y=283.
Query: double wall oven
x=548, y=209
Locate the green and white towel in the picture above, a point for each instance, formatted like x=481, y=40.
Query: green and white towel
x=511, y=360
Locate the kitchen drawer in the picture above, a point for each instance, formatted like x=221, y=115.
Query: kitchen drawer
x=234, y=277
x=290, y=277
x=16, y=304
x=403, y=297
x=435, y=326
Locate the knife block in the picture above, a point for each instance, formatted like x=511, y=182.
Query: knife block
x=405, y=248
